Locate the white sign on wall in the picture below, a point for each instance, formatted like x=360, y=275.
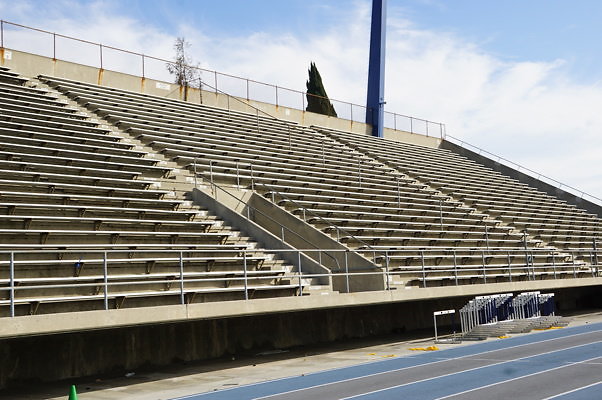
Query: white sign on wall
x=8, y=55
x=164, y=86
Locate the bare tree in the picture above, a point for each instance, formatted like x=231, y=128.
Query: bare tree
x=185, y=73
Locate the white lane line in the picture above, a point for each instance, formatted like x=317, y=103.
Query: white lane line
x=517, y=378
x=467, y=370
x=368, y=363
x=415, y=366
x=572, y=391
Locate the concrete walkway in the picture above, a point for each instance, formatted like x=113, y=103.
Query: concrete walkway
x=216, y=375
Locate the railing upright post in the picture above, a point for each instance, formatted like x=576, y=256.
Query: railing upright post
x=100, y=47
x=237, y=175
x=483, y=261
x=441, y=214
x=211, y=172
x=387, y=270
x=143, y=76
x=276, y=87
x=54, y=46
x=574, y=267
x=282, y=233
x=12, y=283
x=455, y=268
x=347, y=270
x=411, y=125
x=1, y=34
x=427, y=128
x=252, y=178
x=300, y=273
x=244, y=264
x=359, y=170
x=195, y=176
x=247, y=89
x=398, y=194
x=486, y=236
x=509, y=268
x=595, y=244
x=290, y=140
x=215, y=82
x=554, y=264
x=106, y=280
x=323, y=154
x=395, y=121
x=181, y=278
x=423, y=268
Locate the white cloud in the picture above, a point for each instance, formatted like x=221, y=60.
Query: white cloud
x=528, y=111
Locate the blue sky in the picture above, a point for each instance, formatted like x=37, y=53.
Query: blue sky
x=519, y=78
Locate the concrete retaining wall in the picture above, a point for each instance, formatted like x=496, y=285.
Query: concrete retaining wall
x=116, y=351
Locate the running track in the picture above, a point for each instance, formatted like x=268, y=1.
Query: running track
x=564, y=364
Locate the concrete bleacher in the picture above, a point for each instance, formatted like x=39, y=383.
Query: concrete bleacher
x=363, y=200
x=78, y=199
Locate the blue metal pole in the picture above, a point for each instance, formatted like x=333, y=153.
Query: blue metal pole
x=375, y=103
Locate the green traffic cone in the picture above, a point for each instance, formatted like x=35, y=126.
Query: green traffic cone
x=72, y=393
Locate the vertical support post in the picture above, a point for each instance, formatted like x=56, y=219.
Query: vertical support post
x=411, y=125
x=276, y=87
x=595, y=244
x=1, y=34
x=486, y=236
x=574, y=267
x=300, y=273
x=211, y=172
x=554, y=263
x=435, y=324
x=387, y=270
x=238, y=178
x=54, y=45
x=395, y=121
x=323, y=154
x=483, y=260
x=455, y=268
x=441, y=214
x=195, y=177
x=398, y=194
x=290, y=140
x=12, y=283
x=376, y=71
x=106, y=280
x=282, y=232
x=423, y=270
x=215, y=82
x=359, y=170
x=100, y=47
x=509, y=268
x=244, y=264
x=247, y=89
x=143, y=67
x=252, y=178
x=347, y=270
x=182, y=278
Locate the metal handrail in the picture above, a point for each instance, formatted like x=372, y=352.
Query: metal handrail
x=536, y=175
x=305, y=210
x=282, y=227
x=101, y=47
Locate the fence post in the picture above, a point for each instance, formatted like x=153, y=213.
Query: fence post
x=244, y=264
x=455, y=268
x=181, y=278
x=106, y=281
x=300, y=273
x=483, y=261
x=387, y=270
x=347, y=270
x=12, y=283
x=423, y=271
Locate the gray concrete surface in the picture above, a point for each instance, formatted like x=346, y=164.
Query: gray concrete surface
x=210, y=376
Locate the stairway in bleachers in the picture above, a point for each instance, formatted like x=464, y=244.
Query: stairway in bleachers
x=421, y=232
x=77, y=199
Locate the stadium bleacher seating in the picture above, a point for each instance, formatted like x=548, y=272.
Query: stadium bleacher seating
x=419, y=229
x=77, y=200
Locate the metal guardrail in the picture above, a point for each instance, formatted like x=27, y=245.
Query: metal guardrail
x=104, y=284
x=104, y=57
x=521, y=168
